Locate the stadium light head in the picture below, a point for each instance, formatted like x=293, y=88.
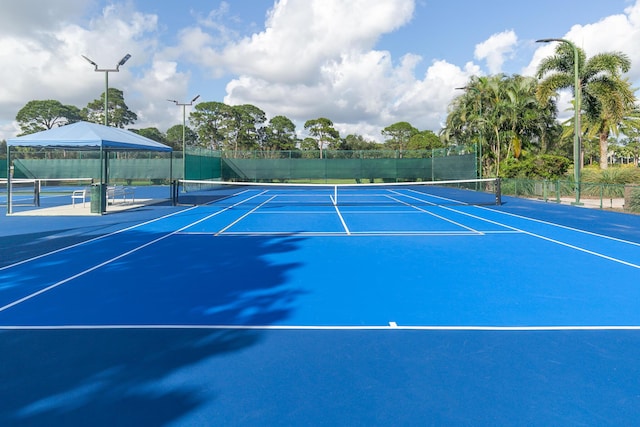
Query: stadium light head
x=545, y=40
x=90, y=61
x=124, y=59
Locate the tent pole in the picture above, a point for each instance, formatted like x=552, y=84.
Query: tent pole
x=9, y=208
x=102, y=179
x=171, y=176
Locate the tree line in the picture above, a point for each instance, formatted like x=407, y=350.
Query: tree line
x=512, y=119
x=219, y=126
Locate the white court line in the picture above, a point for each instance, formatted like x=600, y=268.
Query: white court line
x=344, y=224
x=604, y=236
x=353, y=233
x=244, y=216
x=548, y=239
x=390, y=326
x=24, y=261
x=430, y=213
x=438, y=197
x=109, y=261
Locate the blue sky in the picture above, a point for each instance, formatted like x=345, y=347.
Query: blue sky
x=364, y=64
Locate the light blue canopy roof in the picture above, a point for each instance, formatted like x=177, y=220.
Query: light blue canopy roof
x=88, y=136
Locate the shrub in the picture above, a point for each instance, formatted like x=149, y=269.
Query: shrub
x=614, y=175
x=544, y=166
x=632, y=199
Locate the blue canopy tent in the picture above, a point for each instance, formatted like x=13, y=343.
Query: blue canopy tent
x=85, y=136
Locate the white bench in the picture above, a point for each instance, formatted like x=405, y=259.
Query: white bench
x=80, y=195
x=116, y=192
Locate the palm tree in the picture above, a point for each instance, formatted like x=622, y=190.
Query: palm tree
x=466, y=119
x=612, y=109
x=631, y=128
x=605, y=94
x=503, y=114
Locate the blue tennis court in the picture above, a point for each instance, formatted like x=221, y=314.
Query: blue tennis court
x=271, y=308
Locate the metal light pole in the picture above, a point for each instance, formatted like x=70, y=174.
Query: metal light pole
x=106, y=82
x=480, y=130
x=577, y=93
x=104, y=169
x=184, y=125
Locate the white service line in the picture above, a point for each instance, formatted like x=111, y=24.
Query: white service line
x=430, y=213
x=109, y=261
x=548, y=239
x=344, y=224
x=244, y=216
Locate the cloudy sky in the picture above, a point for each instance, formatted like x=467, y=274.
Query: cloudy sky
x=364, y=64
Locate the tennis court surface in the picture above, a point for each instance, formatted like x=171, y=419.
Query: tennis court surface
x=267, y=306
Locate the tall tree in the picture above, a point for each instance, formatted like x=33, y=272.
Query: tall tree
x=398, y=135
x=612, y=109
x=212, y=122
x=174, y=137
x=502, y=116
x=424, y=140
x=604, y=91
x=280, y=134
x=39, y=115
x=118, y=112
x=322, y=131
x=248, y=121
x=151, y=133
x=358, y=142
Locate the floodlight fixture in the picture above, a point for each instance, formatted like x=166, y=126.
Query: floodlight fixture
x=184, y=125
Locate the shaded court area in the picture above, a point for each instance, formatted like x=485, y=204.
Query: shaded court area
x=268, y=314
x=293, y=377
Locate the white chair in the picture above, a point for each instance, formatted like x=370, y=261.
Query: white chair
x=115, y=192
x=79, y=195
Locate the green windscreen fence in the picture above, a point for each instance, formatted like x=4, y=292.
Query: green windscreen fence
x=287, y=166
x=122, y=166
x=202, y=164
x=332, y=166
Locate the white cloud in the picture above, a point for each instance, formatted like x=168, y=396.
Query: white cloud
x=312, y=58
x=301, y=36
x=495, y=48
x=306, y=65
x=622, y=34
x=619, y=32
x=35, y=17
x=45, y=63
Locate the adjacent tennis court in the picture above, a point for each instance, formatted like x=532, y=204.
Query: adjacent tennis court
x=325, y=305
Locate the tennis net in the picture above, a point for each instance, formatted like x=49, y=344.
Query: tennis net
x=28, y=191
x=455, y=192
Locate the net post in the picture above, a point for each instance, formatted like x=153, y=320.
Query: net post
x=36, y=193
x=9, y=183
x=498, y=192
x=174, y=192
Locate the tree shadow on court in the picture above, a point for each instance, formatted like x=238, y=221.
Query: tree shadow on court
x=162, y=299
x=25, y=237
x=105, y=377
